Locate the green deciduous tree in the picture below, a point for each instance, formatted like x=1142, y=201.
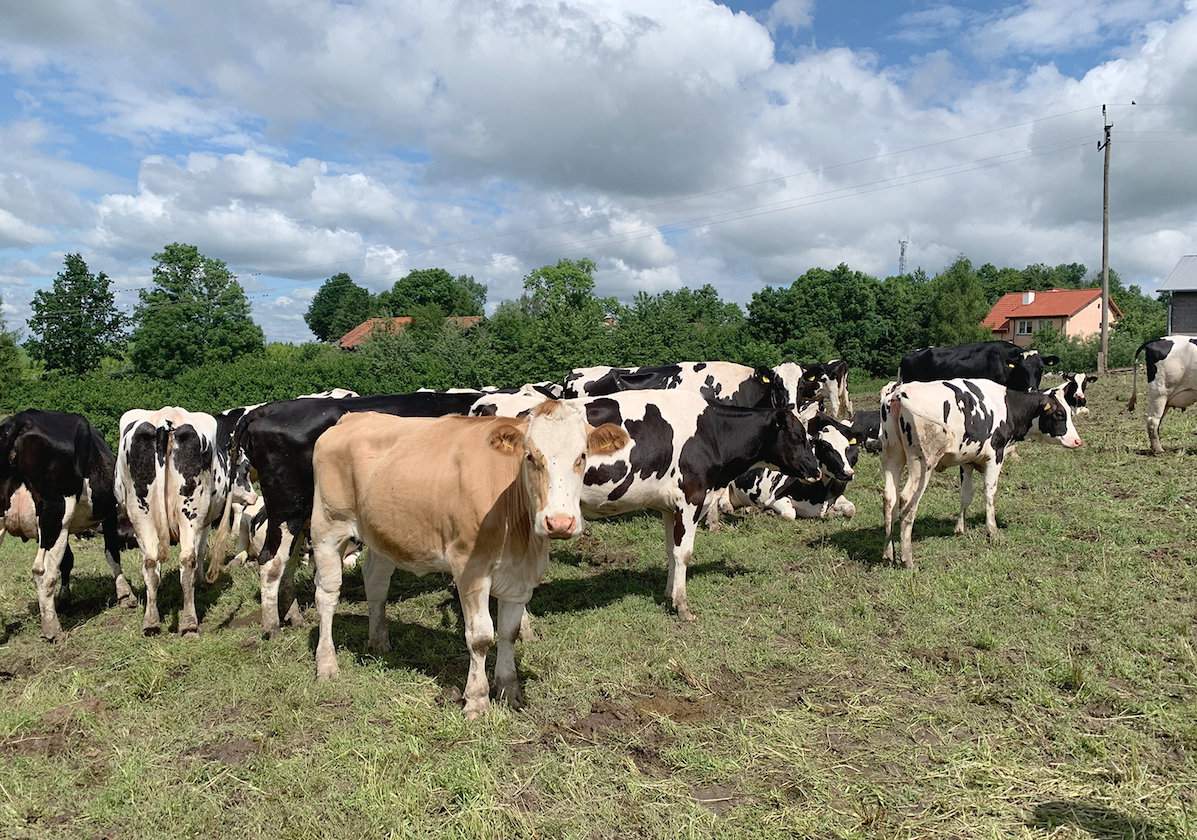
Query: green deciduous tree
x=339, y=306
x=195, y=313
x=460, y=295
x=681, y=325
x=957, y=305
x=75, y=323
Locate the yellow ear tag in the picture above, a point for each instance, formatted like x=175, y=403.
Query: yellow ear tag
x=1047, y=406
x=764, y=379
x=1010, y=364
x=852, y=441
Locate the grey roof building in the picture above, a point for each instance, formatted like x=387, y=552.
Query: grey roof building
x=1182, y=283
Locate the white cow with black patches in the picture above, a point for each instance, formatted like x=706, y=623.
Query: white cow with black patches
x=725, y=382
x=172, y=479
x=969, y=423
x=837, y=450
x=1171, y=381
x=681, y=448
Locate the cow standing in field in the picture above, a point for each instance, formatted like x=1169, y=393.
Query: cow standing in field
x=278, y=439
x=831, y=382
x=479, y=498
x=1002, y=362
x=67, y=468
x=788, y=497
x=929, y=426
x=680, y=449
x=1171, y=381
x=173, y=477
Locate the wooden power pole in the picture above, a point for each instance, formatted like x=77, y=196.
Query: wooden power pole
x=1105, y=245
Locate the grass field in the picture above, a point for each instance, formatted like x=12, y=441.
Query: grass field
x=1044, y=685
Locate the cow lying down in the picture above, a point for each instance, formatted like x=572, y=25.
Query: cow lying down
x=970, y=423
x=479, y=498
x=770, y=490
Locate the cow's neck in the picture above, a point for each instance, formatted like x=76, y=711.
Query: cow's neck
x=737, y=453
x=1021, y=411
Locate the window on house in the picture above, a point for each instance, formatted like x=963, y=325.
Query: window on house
x=1025, y=327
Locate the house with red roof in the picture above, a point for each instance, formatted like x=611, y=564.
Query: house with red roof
x=353, y=338
x=1076, y=313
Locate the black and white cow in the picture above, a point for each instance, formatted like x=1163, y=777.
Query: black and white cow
x=1072, y=391
x=1002, y=362
x=278, y=439
x=969, y=423
x=831, y=380
x=681, y=448
x=725, y=382
x=866, y=428
x=770, y=490
x=68, y=468
x=173, y=477
x=1171, y=381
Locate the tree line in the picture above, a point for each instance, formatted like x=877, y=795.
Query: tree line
x=191, y=340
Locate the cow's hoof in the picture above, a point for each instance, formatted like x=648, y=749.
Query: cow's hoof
x=294, y=616
x=271, y=633
x=327, y=669
x=474, y=709
x=188, y=627
x=513, y=696
x=151, y=629
x=53, y=634
x=683, y=612
x=129, y=601
x=959, y=529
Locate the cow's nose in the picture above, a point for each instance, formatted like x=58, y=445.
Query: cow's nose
x=560, y=526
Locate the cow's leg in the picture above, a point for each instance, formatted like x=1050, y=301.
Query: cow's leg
x=784, y=507
x=272, y=563
x=53, y=517
x=480, y=635
x=376, y=574
x=714, y=508
x=679, y=540
x=507, y=682
x=891, y=471
x=287, y=599
x=916, y=484
x=966, y=494
x=64, y=575
x=326, y=554
x=993, y=471
x=189, y=549
x=1157, y=407
x=112, y=555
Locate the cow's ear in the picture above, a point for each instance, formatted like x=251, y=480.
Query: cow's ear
x=606, y=439
x=1051, y=360
x=507, y=439
x=1089, y=380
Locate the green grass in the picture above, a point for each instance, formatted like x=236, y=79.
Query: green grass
x=1041, y=686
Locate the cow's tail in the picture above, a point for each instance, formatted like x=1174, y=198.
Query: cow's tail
x=1130, y=404
x=159, y=515
x=218, y=553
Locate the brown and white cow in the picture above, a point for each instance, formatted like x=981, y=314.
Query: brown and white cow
x=477, y=497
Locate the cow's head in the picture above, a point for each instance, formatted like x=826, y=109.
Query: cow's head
x=554, y=446
x=835, y=446
x=792, y=452
x=1026, y=369
x=1053, y=421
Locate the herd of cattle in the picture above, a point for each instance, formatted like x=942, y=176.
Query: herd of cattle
x=476, y=482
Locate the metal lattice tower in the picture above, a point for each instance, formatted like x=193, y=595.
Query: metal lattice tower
x=902, y=243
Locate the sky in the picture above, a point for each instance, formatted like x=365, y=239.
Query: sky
x=674, y=142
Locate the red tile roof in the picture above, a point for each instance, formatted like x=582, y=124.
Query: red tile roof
x=1053, y=303
x=363, y=330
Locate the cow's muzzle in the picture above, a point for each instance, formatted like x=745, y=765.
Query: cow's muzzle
x=560, y=526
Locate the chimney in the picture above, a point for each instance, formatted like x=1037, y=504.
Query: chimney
x=1028, y=298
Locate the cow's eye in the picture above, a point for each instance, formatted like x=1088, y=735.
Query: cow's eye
x=581, y=460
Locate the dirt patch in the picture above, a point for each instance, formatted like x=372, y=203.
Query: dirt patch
x=680, y=709
x=61, y=716
x=232, y=751
x=49, y=744
x=718, y=799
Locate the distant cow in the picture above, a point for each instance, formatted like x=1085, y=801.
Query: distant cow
x=277, y=439
x=837, y=451
x=1072, y=391
x=1171, y=381
x=68, y=470
x=479, y=498
x=866, y=428
x=831, y=379
x=1002, y=362
x=172, y=479
x=724, y=382
x=681, y=449
x=970, y=423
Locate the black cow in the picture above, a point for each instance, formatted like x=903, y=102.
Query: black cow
x=278, y=440
x=68, y=469
x=1002, y=362
x=866, y=428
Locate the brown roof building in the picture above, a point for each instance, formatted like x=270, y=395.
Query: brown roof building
x=1076, y=313
x=353, y=338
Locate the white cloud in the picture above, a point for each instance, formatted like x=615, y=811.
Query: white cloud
x=790, y=14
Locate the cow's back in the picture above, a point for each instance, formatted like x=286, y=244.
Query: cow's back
x=413, y=508
x=1172, y=362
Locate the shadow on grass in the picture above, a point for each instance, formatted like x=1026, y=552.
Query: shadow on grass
x=1101, y=822
x=864, y=545
x=436, y=652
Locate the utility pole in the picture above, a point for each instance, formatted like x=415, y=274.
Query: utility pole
x=1105, y=245
x=902, y=243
